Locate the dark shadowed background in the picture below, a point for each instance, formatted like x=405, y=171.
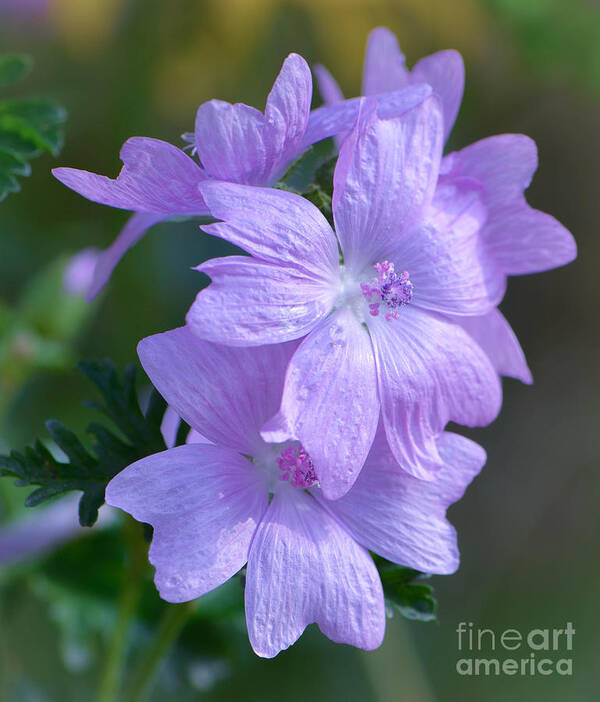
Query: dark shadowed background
x=528, y=527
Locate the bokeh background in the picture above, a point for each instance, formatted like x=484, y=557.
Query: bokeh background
x=528, y=526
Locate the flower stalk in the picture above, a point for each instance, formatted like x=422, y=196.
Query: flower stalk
x=171, y=625
x=110, y=681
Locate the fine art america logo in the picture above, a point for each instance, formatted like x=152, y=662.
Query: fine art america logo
x=512, y=652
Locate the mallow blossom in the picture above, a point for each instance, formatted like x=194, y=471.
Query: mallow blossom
x=234, y=143
x=243, y=501
x=374, y=334
x=518, y=238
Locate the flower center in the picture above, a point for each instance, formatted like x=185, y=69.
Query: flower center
x=388, y=288
x=296, y=467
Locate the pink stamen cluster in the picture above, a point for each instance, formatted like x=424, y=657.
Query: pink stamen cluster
x=296, y=466
x=392, y=289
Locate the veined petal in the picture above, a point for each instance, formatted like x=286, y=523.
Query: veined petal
x=444, y=71
x=403, y=518
x=429, y=373
x=224, y=393
x=450, y=267
x=331, y=120
x=384, y=178
x=274, y=225
x=238, y=143
x=156, y=177
x=331, y=94
x=340, y=117
x=304, y=568
x=493, y=333
x=204, y=503
x=520, y=239
x=328, y=87
x=288, y=107
x=384, y=68
x=330, y=401
x=523, y=240
x=229, y=142
x=137, y=225
x=385, y=71
x=505, y=164
x=250, y=303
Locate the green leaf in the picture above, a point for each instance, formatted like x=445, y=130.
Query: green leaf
x=311, y=175
x=13, y=68
x=13, y=141
x=11, y=165
x=8, y=184
x=35, y=120
x=86, y=470
x=405, y=592
x=28, y=127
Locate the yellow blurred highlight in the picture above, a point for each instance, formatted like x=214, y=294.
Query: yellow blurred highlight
x=227, y=32
x=85, y=25
x=422, y=26
x=221, y=36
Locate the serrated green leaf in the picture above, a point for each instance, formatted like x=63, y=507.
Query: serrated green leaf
x=120, y=398
x=90, y=471
x=42, y=494
x=13, y=68
x=68, y=442
x=90, y=502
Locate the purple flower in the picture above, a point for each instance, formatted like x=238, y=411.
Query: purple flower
x=374, y=326
x=215, y=507
x=516, y=237
x=385, y=71
x=233, y=142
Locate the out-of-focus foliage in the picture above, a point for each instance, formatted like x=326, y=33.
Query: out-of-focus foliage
x=12, y=68
x=37, y=332
x=28, y=126
x=83, y=601
x=557, y=39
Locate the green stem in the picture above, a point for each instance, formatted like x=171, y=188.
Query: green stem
x=128, y=603
x=171, y=625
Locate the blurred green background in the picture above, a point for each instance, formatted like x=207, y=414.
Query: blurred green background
x=528, y=527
